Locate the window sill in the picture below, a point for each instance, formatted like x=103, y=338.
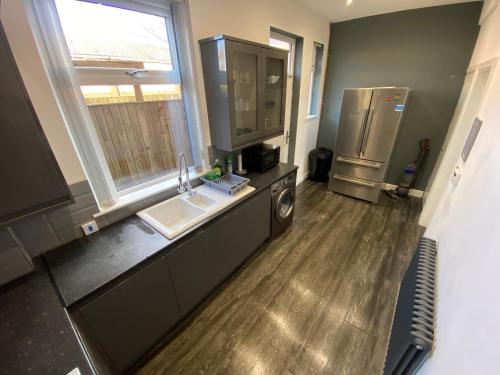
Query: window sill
x=147, y=192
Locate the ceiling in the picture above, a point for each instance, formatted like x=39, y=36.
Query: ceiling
x=337, y=10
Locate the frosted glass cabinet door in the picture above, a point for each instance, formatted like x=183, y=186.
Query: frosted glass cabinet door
x=274, y=92
x=243, y=64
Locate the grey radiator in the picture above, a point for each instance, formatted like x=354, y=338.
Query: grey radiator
x=412, y=332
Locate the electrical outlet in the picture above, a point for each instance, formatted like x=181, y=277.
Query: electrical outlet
x=90, y=227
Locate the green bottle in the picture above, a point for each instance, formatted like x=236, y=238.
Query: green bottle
x=229, y=164
x=217, y=168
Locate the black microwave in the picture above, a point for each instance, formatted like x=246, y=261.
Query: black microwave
x=260, y=157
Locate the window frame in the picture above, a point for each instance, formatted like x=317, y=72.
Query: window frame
x=66, y=81
x=314, y=112
x=96, y=76
x=291, y=52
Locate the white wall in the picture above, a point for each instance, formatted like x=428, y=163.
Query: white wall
x=252, y=20
x=28, y=60
x=467, y=228
x=244, y=19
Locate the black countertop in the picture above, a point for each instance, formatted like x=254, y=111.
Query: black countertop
x=262, y=180
x=36, y=335
x=84, y=266
x=87, y=264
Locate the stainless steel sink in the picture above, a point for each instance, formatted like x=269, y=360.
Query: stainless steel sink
x=182, y=213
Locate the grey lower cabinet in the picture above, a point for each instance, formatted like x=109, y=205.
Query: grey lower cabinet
x=126, y=321
x=123, y=323
x=205, y=260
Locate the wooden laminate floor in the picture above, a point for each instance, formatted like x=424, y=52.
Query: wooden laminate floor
x=317, y=300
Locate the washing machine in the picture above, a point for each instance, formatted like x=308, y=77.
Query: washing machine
x=282, y=204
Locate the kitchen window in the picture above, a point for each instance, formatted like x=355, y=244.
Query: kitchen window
x=127, y=69
x=314, y=89
x=126, y=87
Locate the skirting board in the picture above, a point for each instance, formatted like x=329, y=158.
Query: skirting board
x=412, y=193
x=302, y=177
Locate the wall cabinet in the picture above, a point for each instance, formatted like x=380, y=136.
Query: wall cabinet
x=127, y=320
x=31, y=179
x=205, y=260
x=245, y=86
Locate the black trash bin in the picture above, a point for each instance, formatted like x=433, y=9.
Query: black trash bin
x=320, y=162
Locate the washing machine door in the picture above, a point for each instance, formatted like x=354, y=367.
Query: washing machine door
x=284, y=204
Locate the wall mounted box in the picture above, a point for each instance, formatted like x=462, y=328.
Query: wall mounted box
x=245, y=86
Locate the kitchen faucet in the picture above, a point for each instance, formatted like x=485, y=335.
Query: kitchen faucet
x=182, y=188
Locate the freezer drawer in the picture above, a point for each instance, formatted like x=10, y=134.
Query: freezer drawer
x=356, y=187
x=359, y=168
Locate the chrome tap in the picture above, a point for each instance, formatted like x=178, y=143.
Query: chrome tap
x=182, y=188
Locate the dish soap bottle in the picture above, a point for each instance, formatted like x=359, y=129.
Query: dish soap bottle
x=217, y=168
x=229, y=164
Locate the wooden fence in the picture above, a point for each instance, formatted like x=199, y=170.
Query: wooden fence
x=141, y=140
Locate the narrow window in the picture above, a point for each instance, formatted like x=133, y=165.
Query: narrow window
x=314, y=94
x=287, y=43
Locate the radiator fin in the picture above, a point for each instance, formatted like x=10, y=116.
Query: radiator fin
x=412, y=332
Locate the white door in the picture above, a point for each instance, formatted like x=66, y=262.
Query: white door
x=288, y=43
x=469, y=104
x=458, y=112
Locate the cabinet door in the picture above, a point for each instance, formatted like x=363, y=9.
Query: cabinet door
x=274, y=97
x=129, y=319
x=243, y=62
x=31, y=178
x=205, y=260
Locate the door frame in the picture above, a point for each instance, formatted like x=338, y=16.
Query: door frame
x=297, y=75
x=458, y=131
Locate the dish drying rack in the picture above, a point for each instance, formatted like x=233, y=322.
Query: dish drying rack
x=228, y=183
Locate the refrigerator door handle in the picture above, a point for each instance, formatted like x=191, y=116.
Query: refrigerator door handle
x=367, y=130
x=366, y=111
x=374, y=165
x=354, y=181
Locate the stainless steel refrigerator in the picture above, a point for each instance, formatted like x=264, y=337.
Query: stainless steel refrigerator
x=370, y=120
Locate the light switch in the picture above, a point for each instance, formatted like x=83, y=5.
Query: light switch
x=455, y=177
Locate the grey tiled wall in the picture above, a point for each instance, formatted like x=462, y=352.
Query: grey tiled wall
x=41, y=233
x=34, y=235
x=14, y=261
x=126, y=211
x=37, y=234
x=215, y=153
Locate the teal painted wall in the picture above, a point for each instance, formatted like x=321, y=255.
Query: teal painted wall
x=426, y=49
